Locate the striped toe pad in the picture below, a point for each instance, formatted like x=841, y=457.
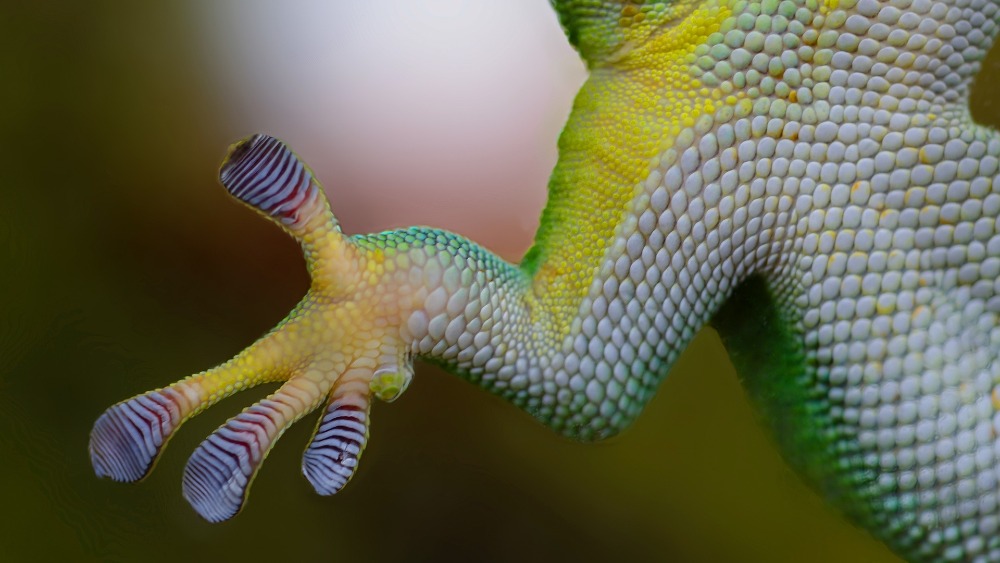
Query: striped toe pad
x=264, y=173
x=332, y=456
x=129, y=436
x=219, y=473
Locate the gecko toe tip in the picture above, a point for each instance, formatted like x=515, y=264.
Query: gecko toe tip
x=125, y=442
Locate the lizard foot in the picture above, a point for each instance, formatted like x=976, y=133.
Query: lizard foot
x=341, y=344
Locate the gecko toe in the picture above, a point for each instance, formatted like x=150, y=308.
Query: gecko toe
x=332, y=456
x=127, y=439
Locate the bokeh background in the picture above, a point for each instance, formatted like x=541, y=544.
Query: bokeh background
x=124, y=266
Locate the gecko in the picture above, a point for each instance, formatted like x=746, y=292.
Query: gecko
x=804, y=176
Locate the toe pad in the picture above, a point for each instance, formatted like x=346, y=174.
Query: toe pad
x=129, y=436
x=333, y=454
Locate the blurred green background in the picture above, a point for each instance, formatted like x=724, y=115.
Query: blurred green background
x=124, y=266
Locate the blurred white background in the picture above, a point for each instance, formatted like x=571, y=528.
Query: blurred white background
x=411, y=112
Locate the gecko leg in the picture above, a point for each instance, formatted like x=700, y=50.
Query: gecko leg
x=375, y=303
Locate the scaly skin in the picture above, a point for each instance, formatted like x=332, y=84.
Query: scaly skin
x=803, y=174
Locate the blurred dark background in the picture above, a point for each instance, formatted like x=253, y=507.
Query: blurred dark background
x=124, y=267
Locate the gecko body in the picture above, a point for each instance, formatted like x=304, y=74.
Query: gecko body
x=803, y=175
